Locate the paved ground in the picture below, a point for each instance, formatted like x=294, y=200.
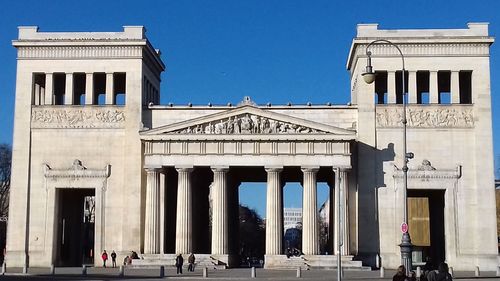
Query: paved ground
x=230, y=274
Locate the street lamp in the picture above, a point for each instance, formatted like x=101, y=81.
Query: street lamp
x=369, y=77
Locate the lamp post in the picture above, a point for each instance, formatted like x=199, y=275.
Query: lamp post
x=369, y=77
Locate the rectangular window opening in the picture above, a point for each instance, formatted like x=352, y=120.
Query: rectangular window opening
x=99, y=88
x=79, y=88
x=465, y=85
x=59, y=88
x=423, y=87
x=444, y=87
x=399, y=86
x=381, y=87
x=38, y=89
x=119, y=87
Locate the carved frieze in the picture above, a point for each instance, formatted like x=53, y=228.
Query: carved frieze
x=77, y=117
x=247, y=124
x=426, y=117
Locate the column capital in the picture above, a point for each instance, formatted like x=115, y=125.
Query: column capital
x=219, y=168
x=312, y=169
x=273, y=168
x=342, y=168
x=184, y=168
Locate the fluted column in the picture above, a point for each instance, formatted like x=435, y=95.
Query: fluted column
x=274, y=212
x=184, y=221
x=342, y=210
x=310, y=238
x=220, y=228
x=152, y=220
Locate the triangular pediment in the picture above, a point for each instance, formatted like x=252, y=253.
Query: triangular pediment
x=247, y=120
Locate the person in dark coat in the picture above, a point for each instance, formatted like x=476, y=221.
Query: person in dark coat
x=400, y=274
x=179, y=260
x=191, y=260
x=443, y=274
x=113, y=258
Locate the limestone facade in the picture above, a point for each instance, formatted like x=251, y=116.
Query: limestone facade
x=165, y=178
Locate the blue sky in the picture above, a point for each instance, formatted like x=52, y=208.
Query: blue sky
x=220, y=51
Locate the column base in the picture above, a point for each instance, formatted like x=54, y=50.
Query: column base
x=16, y=259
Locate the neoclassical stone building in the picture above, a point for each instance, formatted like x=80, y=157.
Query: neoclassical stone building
x=99, y=164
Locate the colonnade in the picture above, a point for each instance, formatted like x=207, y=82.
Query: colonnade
x=433, y=86
x=220, y=212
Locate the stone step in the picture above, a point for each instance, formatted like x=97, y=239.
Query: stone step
x=312, y=261
x=156, y=260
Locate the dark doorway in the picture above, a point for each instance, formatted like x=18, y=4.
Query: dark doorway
x=426, y=222
x=75, y=227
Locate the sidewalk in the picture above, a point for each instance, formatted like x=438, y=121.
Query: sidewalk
x=229, y=274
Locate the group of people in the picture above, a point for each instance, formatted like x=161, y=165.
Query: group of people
x=104, y=257
x=126, y=261
x=179, y=261
x=441, y=274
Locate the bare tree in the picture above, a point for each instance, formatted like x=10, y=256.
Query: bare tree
x=5, y=163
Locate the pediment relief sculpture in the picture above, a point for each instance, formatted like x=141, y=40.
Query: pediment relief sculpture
x=247, y=124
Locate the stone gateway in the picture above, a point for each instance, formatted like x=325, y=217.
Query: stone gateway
x=99, y=164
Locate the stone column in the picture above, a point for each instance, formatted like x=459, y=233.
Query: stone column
x=152, y=219
x=310, y=238
x=220, y=245
x=412, y=87
x=455, y=87
x=391, y=87
x=433, y=87
x=341, y=193
x=183, y=231
x=110, y=90
x=344, y=196
x=89, y=88
x=68, y=93
x=49, y=89
x=274, y=212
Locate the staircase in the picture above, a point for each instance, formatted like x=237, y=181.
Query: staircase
x=157, y=260
x=306, y=262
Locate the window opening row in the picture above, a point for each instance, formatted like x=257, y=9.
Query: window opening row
x=79, y=88
x=441, y=89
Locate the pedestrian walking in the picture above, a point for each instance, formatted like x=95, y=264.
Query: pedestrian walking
x=104, y=257
x=179, y=260
x=113, y=258
x=191, y=260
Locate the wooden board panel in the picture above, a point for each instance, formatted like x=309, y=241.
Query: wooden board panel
x=419, y=221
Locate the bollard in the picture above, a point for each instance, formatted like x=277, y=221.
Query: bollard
x=121, y=271
x=84, y=270
x=252, y=273
x=498, y=270
x=382, y=272
x=205, y=272
x=450, y=271
x=299, y=272
x=476, y=272
x=25, y=269
x=162, y=271
x=4, y=268
x=419, y=272
x=52, y=269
